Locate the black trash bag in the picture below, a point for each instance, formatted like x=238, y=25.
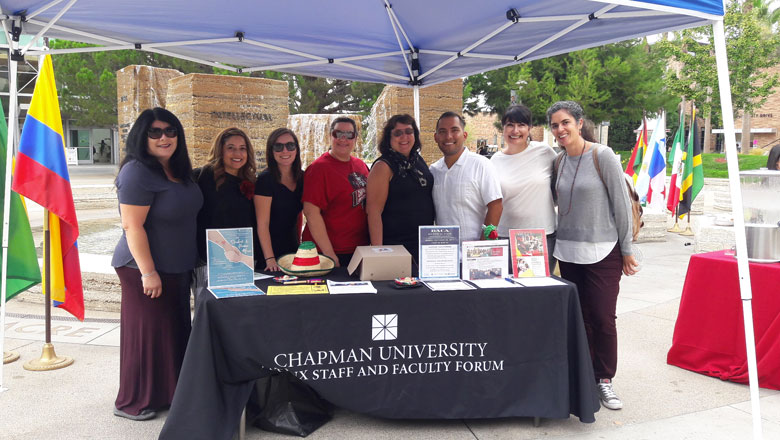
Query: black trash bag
x=282, y=403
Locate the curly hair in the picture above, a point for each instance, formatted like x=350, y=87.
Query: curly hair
x=216, y=161
x=384, y=143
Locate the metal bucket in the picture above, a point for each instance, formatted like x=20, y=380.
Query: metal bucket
x=763, y=243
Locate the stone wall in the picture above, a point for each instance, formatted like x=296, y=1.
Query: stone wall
x=313, y=132
x=139, y=88
x=434, y=101
x=207, y=104
x=481, y=126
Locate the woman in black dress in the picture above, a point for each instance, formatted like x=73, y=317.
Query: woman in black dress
x=154, y=258
x=399, y=192
x=227, y=182
x=278, y=198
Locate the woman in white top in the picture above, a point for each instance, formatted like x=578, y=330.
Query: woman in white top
x=525, y=168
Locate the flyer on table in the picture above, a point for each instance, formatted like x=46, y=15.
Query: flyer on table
x=485, y=260
x=230, y=262
x=439, y=247
x=528, y=248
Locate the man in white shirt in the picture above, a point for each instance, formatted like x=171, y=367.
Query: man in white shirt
x=466, y=190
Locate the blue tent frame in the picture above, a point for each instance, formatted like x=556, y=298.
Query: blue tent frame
x=408, y=43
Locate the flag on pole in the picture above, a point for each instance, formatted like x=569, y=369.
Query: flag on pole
x=657, y=140
x=22, y=269
x=635, y=162
x=693, y=173
x=673, y=195
x=657, y=170
x=42, y=176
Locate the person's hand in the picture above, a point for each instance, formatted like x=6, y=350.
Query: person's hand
x=232, y=254
x=630, y=265
x=152, y=285
x=334, y=258
x=271, y=265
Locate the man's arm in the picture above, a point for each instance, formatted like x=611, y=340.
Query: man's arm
x=494, y=212
x=319, y=233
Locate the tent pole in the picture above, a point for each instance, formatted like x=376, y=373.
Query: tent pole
x=417, y=104
x=12, y=118
x=718, y=32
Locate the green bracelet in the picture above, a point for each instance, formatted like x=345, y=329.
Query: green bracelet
x=486, y=230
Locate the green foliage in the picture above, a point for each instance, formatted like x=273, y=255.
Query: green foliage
x=87, y=84
x=615, y=82
x=750, y=46
x=714, y=164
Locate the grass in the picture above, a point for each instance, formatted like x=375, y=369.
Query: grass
x=714, y=164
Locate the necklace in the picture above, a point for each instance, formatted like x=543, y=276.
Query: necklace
x=574, y=179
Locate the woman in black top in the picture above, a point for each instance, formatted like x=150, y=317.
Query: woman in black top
x=227, y=182
x=399, y=192
x=278, y=198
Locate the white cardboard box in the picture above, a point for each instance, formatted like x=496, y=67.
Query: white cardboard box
x=381, y=262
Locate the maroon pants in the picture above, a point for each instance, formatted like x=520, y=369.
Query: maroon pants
x=153, y=337
x=598, y=285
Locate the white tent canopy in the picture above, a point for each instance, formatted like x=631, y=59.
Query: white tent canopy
x=409, y=43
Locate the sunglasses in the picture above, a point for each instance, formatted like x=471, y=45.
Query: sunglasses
x=399, y=132
x=157, y=132
x=338, y=134
x=278, y=147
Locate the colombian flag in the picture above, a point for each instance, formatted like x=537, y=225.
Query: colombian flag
x=634, y=164
x=41, y=175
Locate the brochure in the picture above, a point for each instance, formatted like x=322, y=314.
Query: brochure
x=439, y=246
x=485, y=260
x=230, y=262
x=538, y=282
x=448, y=285
x=493, y=284
x=529, y=253
x=298, y=289
x=338, y=287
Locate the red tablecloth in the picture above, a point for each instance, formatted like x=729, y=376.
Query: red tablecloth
x=709, y=336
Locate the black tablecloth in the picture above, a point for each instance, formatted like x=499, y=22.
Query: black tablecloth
x=460, y=354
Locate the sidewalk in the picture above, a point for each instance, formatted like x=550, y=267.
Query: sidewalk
x=661, y=401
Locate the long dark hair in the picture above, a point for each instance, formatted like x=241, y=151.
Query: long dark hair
x=774, y=156
x=296, y=168
x=136, y=146
x=384, y=143
x=216, y=161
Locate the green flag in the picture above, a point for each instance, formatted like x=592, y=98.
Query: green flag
x=23, y=269
x=693, y=173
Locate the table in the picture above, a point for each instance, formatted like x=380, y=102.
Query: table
x=709, y=335
x=456, y=354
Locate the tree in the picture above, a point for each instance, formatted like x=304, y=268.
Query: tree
x=750, y=47
x=87, y=83
x=614, y=82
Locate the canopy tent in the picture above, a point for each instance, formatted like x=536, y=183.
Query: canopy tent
x=409, y=43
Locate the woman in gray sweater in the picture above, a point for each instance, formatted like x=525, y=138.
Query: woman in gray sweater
x=594, y=238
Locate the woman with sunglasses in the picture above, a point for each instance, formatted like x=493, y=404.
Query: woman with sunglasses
x=525, y=169
x=158, y=205
x=278, y=198
x=227, y=182
x=400, y=187
x=594, y=235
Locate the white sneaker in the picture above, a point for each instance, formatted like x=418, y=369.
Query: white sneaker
x=607, y=395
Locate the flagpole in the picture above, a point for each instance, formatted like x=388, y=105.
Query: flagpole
x=49, y=359
x=12, y=118
x=676, y=227
x=688, y=231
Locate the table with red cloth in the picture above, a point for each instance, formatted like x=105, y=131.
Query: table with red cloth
x=709, y=336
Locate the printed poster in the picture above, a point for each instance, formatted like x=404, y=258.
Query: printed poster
x=439, y=247
x=529, y=253
x=485, y=260
x=230, y=262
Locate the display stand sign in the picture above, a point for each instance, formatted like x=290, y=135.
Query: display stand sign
x=439, y=247
x=529, y=253
x=230, y=262
x=485, y=260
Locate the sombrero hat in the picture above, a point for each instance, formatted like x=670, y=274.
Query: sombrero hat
x=306, y=262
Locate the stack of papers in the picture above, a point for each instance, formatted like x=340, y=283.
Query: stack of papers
x=338, y=287
x=448, y=285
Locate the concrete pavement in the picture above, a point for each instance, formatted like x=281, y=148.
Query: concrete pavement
x=661, y=401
